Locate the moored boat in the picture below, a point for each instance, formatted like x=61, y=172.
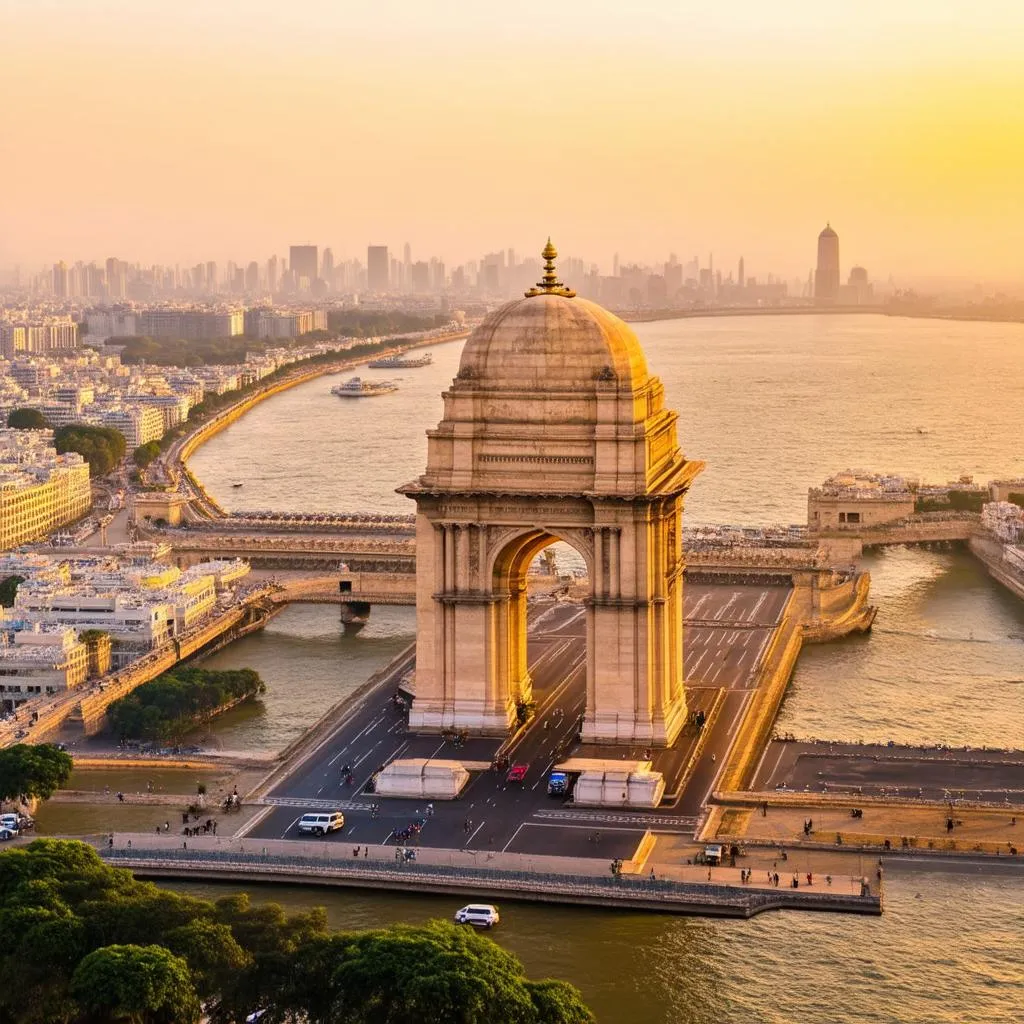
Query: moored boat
x=401, y=362
x=359, y=388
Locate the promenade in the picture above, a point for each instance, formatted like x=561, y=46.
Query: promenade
x=468, y=875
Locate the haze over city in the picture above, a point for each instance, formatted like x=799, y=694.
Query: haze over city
x=189, y=131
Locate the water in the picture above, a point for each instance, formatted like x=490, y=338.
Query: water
x=944, y=662
x=949, y=957
x=773, y=404
x=309, y=663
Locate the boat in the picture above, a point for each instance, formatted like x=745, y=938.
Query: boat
x=359, y=388
x=401, y=362
x=238, y=485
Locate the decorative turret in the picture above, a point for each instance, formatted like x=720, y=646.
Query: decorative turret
x=549, y=283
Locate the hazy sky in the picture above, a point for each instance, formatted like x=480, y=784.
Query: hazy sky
x=226, y=129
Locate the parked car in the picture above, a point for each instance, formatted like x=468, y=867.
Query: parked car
x=517, y=773
x=8, y=833
x=319, y=824
x=480, y=915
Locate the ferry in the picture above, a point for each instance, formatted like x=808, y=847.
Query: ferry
x=401, y=362
x=358, y=388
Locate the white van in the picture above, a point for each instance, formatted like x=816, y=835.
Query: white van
x=321, y=824
x=480, y=915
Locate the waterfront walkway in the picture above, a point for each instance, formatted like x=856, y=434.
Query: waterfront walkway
x=469, y=874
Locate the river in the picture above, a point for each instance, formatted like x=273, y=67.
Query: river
x=773, y=404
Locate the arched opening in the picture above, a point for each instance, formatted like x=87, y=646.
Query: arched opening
x=567, y=678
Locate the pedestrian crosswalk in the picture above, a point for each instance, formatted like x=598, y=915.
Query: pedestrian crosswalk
x=315, y=804
x=616, y=818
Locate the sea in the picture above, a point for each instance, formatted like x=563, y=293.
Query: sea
x=773, y=405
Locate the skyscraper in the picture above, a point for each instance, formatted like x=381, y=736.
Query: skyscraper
x=327, y=266
x=377, y=268
x=303, y=261
x=826, y=277
x=60, y=280
x=742, y=278
x=272, y=274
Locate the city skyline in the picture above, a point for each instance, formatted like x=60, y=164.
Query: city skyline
x=642, y=131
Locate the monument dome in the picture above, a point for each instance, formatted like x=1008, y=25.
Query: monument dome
x=552, y=341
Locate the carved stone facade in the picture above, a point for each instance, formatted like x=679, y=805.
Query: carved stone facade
x=553, y=430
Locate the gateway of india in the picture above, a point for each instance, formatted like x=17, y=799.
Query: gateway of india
x=553, y=429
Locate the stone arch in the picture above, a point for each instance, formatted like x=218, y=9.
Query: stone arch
x=539, y=443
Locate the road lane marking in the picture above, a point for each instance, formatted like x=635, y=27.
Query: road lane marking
x=477, y=829
x=284, y=834
x=514, y=834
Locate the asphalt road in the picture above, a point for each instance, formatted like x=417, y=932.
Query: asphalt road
x=929, y=773
x=493, y=815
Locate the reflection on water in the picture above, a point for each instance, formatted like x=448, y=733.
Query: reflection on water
x=309, y=663
x=943, y=663
x=949, y=956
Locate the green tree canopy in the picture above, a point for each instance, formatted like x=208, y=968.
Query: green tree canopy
x=434, y=974
x=82, y=942
x=33, y=770
x=146, y=453
x=102, y=447
x=27, y=419
x=136, y=984
x=167, y=707
x=9, y=589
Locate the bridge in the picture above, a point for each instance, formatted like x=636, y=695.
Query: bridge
x=927, y=528
x=88, y=703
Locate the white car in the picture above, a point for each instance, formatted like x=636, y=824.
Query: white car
x=480, y=915
x=321, y=824
x=8, y=833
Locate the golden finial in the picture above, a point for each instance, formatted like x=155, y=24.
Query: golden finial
x=549, y=283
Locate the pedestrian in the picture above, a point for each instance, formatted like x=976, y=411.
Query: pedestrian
x=810, y=878
x=120, y=797
x=184, y=845
x=355, y=852
x=129, y=844
x=828, y=879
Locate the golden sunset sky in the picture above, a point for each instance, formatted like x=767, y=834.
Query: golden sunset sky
x=227, y=129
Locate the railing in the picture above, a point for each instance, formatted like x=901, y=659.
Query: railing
x=628, y=888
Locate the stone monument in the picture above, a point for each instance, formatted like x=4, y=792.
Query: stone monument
x=552, y=430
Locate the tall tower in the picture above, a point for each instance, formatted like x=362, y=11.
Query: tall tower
x=378, y=270
x=741, y=278
x=303, y=262
x=826, y=277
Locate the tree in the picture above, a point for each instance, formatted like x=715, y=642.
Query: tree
x=435, y=974
x=137, y=984
x=8, y=590
x=146, y=453
x=27, y=419
x=102, y=447
x=33, y=770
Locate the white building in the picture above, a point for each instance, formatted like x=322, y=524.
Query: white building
x=38, y=659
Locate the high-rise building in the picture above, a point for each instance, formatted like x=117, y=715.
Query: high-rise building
x=252, y=276
x=327, y=266
x=303, y=260
x=741, y=277
x=826, y=277
x=272, y=274
x=377, y=268
x=60, y=280
x=211, y=276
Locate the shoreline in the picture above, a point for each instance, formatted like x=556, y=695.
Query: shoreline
x=184, y=447
x=697, y=314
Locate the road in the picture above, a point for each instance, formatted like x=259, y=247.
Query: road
x=929, y=773
x=493, y=815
